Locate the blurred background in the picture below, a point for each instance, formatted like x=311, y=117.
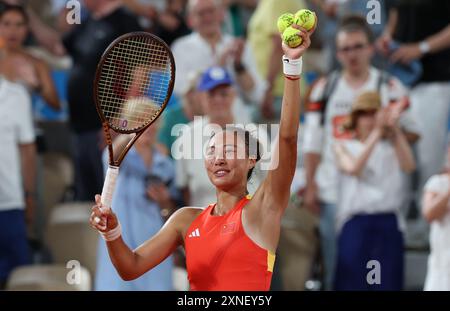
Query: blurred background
x=52, y=159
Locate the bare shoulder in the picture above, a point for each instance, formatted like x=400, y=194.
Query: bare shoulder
x=184, y=217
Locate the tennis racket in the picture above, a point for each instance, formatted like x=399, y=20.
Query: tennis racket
x=133, y=83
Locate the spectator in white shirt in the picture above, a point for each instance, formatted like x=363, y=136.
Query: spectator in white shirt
x=436, y=209
x=371, y=194
x=17, y=176
x=218, y=98
x=330, y=103
x=207, y=46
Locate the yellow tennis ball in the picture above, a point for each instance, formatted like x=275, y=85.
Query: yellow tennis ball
x=291, y=37
x=284, y=21
x=305, y=18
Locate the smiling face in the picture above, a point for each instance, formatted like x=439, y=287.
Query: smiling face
x=205, y=16
x=227, y=161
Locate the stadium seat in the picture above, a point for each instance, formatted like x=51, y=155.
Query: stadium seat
x=70, y=237
x=48, y=278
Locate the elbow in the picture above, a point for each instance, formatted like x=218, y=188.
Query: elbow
x=352, y=171
x=409, y=167
x=429, y=217
x=126, y=276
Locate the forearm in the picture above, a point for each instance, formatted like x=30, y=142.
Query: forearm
x=28, y=162
x=391, y=23
x=50, y=96
x=403, y=151
x=245, y=81
x=440, y=40
x=435, y=208
x=123, y=259
x=290, y=111
x=369, y=145
x=312, y=161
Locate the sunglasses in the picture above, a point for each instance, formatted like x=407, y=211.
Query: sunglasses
x=357, y=47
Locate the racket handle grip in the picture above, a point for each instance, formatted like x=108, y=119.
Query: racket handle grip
x=109, y=185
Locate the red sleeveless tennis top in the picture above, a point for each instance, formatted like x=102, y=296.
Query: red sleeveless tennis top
x=220, y=255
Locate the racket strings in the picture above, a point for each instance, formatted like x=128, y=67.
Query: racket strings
x=134, y=82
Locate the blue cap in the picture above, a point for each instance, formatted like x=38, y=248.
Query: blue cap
x=213, y=77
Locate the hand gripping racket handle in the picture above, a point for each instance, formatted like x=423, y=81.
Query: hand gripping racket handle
x=109, y=185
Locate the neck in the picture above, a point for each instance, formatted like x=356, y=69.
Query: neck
x=227, y=200
x=106, y=8
x=362, y=135
x=222, y=121
x=357, y=78
x=188, y=111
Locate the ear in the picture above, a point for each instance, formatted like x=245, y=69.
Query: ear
x=252, y=162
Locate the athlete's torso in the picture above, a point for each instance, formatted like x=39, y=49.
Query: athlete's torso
x=220, y=255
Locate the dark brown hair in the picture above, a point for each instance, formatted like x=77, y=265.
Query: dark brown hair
x=252, y=144
x=355, y=22
x=14, y=8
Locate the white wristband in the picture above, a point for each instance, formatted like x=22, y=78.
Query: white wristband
x=424, y=47
x=112, y=234
x=292, y=67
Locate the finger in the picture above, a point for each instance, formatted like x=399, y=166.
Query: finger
x=98, y=199
x=397, y=55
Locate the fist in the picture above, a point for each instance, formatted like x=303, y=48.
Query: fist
x=102, y=218
x=298, y=51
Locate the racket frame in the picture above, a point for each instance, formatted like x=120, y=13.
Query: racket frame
x=105, y=124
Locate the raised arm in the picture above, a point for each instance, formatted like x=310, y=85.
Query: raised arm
x=276, y=186
x=355, y=165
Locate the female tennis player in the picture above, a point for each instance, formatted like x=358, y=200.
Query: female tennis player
x=230, y=245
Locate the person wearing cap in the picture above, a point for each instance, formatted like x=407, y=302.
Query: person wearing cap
x=209, y=46
x=231, y=242
x=371, y=194
x=218, y=99
x=181, y=114
x=329, y=103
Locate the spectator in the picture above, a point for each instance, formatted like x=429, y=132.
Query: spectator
x=86, y=43
x=265, y=40
x=208, y=46
x=330, y=12
x=171, y=23
x=17, y=64
x=17, y=177
x=164, y=18
x=423, y=30
x=217, y=97
x=145, y=196
x=435, y=207
x=329, y=104
x=42, y=33
x=371, y=194
x=181, y=114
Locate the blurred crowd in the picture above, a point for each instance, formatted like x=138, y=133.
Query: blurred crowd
x=372, y=184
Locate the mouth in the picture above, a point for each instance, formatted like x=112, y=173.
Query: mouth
x=221, y=173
